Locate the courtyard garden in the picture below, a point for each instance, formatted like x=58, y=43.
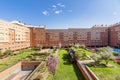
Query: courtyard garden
x=58, y=66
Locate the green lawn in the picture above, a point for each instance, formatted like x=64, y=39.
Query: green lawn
x=89, y=53
x=66, y=70
x=107, y=73
x=11, y=60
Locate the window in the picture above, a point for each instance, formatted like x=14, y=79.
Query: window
x=1, y=34
x=1, y=44
x=1, y=39
x=1, y=28
x=97, y=32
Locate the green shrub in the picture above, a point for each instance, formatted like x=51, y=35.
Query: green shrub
x=117, y=77
x=82, y=46
x=115, y=54
x=81, y=55
x=38, y=48
x=8, y=52
x=0, y=53
x=54, y=48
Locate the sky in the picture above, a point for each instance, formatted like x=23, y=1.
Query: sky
x=61, y=14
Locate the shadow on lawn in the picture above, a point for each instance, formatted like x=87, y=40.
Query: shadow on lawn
x=66, y=58
x=78, y=72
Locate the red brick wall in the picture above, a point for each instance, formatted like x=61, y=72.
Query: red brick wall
x=52, y=37
x=29, y=63
x=113, y=36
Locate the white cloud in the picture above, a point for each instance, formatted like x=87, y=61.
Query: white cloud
x=54, y=6
x=114, y=13
x=45, y=13
x=58, y=11
x=60, y=5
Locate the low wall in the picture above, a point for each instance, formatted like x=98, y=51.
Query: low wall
x=35, y=70
x=29, y=65
x=117, y=59
x=87, y=73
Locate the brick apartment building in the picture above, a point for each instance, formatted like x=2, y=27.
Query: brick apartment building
x=114, y=35
x=95, y=36
x=16, y=36
x=13, y=36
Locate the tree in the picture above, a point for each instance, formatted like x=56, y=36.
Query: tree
x=106, y=54
x=103, y=55
x=52, y=63
x=96, y=58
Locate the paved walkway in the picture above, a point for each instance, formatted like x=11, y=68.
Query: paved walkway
x=45, y=50
x=19, y=76
x=86, y=61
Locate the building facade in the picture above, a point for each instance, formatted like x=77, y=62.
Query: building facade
x=16, y=35
x=38, y=36
x=95, y=36
x=114, y=35
x=13, y=36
